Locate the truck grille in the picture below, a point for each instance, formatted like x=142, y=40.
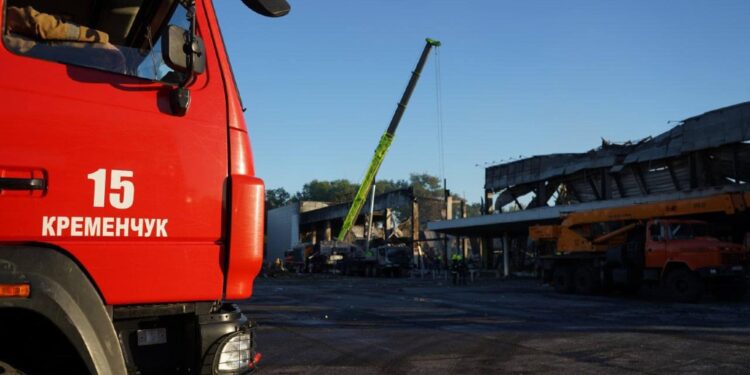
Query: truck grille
x=732, y=258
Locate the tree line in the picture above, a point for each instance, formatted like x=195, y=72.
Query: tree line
x=343, y=190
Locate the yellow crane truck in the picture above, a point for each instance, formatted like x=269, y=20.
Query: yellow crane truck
x=654, y=243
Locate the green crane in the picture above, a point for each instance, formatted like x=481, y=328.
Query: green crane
x=385, y=143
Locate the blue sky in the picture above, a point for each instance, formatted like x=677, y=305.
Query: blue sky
x=519, y=78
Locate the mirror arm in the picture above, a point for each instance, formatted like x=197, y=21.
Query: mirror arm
x=180, y=97
x=189, y=45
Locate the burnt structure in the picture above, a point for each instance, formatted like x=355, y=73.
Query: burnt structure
x=701, y=152
x=701, y=156
x=313, y=222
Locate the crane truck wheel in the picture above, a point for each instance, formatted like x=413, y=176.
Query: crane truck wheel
x=562, y=279
x=585, y=280
x=684, y=286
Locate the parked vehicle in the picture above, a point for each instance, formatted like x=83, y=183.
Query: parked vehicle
x=629, y=246
x=386, y=260
x=295, y=259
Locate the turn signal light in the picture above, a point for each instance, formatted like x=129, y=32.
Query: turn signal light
x=256, y=359
x=15, y=290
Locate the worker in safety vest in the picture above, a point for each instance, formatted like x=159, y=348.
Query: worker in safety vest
x=458, y=269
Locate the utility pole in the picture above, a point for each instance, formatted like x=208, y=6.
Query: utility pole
x=446, y=193
x=415, y=245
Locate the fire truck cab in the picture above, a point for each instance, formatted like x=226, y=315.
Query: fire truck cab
x=129, y=206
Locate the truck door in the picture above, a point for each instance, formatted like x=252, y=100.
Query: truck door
x=131, y=190
x=656, y=245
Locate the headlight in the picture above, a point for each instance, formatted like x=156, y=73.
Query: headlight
x=236, y=354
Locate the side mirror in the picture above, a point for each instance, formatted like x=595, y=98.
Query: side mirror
x=175, y=50
x=268, y=8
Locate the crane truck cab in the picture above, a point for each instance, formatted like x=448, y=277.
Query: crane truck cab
x=684, y=256
x=129, y=207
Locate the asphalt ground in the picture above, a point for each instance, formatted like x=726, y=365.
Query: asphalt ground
x=339, y=325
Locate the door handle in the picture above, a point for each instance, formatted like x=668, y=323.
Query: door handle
x=8, y=183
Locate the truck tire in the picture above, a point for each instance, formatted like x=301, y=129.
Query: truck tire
x=684, y=286
x=586, y=280
x=6, y=369
x=562, y=279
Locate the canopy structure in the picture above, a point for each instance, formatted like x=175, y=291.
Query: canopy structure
x=702, y=155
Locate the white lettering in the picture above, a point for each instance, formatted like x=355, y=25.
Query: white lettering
x=81, y=226
x=76, y=224
x=137, y=228
x=122, y=226
x=63, y=223
x=150, y=226
x=161, y=228
x=108, y=224
x=48, y=228
x=93, y=227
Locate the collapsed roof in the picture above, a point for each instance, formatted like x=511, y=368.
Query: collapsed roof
x=702, y=151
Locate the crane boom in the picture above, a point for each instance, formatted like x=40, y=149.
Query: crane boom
x=385, y=142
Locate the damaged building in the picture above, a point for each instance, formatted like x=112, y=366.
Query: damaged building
x=702, y=155
x=399, y=216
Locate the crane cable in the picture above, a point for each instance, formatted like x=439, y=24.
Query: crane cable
x=439, y=115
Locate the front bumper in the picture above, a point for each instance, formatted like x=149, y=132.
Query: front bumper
x=732, y=272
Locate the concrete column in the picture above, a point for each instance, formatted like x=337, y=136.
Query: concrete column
x=488, y=206
x=415, y=232
x=464, y=240
x=388, y=223
x=327, y=235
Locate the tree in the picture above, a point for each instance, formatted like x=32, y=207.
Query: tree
x=340, y=191
x=385, y=186
x=426, y=185
x=473, y=209
x=336, y=191
x=276, y=198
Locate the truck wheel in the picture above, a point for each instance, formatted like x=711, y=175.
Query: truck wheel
x=684, y=286
x=562, y=279
x=585, y=280
x=7, y=369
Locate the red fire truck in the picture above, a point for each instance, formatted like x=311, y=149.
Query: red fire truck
x=129, y=207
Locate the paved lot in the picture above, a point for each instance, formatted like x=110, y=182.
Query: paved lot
x=403, y=326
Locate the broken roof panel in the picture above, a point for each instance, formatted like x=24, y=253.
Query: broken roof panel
x=712, y=129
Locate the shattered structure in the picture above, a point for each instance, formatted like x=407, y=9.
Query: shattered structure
x=702, y=151
x=398, y=216
x=702, y=156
